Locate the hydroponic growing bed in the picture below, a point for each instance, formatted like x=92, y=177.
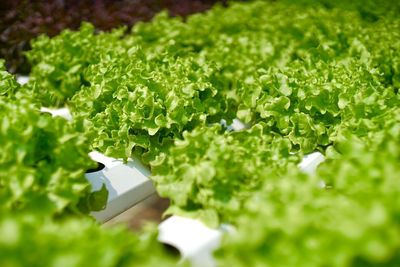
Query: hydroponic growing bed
x=271, y=126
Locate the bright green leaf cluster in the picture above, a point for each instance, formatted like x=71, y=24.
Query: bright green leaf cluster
x=263, y=64
x=43, y=193
x=138, y=105
x=297, y=72
x=43, y=161
x=59, y=63
x=345, y=215
x=311, y=100
x=306, y=76
x=209, y=174
x=8, y=84
x=28, y=240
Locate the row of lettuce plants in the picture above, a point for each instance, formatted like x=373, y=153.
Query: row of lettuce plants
x=303, y=76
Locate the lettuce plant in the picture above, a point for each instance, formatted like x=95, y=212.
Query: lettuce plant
x=59, y=63
x=134, y=105
x=29, y=240
x=43, y=159
x=311, y=100
x=345, y=215
x=209, y=174
x=274, y=65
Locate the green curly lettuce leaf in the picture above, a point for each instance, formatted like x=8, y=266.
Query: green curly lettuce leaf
x=295, y=73
x=138, y=106
x=8, y=84
x=29, y=240
x=311, y=100
x=58, y=63
x=43, y=162
x=300, y=73
x=347, y=214
x=209, y=174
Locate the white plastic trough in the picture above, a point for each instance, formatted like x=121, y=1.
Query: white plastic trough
x=127, y=184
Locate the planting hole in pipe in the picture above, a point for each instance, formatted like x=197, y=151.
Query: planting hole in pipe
x=172, y=250
x=100, y=166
